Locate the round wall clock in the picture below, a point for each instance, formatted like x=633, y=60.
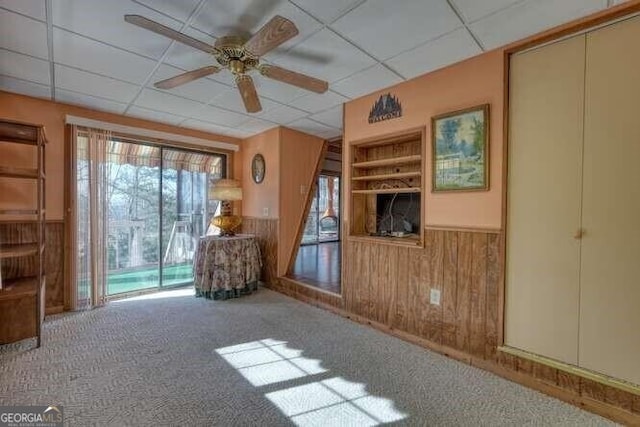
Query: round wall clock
x=258, y=168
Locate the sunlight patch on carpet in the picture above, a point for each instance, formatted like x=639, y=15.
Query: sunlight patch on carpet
x=333, y=401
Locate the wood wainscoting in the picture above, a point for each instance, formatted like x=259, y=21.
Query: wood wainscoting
x=388, y=287
x=266, y=231
x=54, y=259
x=391, y=285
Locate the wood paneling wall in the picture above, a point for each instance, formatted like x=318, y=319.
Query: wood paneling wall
x=391, y=286
x=266, y=231
x=54, y=259
x=388, y=287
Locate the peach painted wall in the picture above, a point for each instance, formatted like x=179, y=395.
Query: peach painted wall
x=476, y=81
x=258, y=197
x=299, y=157
x=52, y=116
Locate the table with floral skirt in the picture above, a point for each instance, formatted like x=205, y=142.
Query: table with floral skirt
x=226, y=267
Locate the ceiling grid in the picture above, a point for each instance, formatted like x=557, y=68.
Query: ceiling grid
x=82, y=52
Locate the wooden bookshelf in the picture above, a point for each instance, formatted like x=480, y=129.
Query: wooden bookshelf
x=22, y=296
x=11, y=172
x=18, y=250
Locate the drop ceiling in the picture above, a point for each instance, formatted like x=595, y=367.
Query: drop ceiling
x=82, y=52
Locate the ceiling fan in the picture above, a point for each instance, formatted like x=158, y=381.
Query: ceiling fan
x=238, y=55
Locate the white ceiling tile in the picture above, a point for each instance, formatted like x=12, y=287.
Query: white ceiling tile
x=367, y=81
x=93, y=84
x=208, y=127
x=104, y=21
x=439, y=53
x=472, y=10
x=24, y=67
x=80, y=52
x=230, y=99
x=88, y=101
x=162, y=101
x=179, y=10
x=343, y=59
x=314, y=102
x=219, y=116
x=239, y=133
x=254, y=126
x=276, y=90
x=198, y=90
x=384, y=28
x=32, y=8
x=332, y=117
x=156, y=116
x=282, y=114
x=246, y=17
x=23, y=35
x=187, y=57
x=525, y=19
x=225, y=77
x=24, y=87
x=326, y=10
x=314, y=128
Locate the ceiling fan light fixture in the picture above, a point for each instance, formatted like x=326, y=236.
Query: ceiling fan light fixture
x=240, y=56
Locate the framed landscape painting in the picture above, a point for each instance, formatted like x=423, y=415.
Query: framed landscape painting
x=460, y=142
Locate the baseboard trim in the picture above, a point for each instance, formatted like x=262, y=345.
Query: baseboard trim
x=56, y=309
x=573, y=370
x=310, y=287
x=595, y=406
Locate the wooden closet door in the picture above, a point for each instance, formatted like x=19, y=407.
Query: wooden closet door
x=610, y=272
x=545, y=174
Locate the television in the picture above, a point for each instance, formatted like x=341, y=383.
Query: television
x=397, y=213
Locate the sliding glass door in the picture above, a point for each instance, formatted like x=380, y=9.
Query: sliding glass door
x=133, y=195
x=186, y=212
x=149, y=207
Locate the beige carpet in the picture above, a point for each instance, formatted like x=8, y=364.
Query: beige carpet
x=260, y=360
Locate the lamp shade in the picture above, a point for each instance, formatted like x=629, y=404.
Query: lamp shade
x=225, y=189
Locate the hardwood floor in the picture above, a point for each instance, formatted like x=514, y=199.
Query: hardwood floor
x=319, y=266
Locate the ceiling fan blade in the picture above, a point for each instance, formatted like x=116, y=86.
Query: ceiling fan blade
x=248, y=93
x=163, y=30
x=187, y=77
x=291, y=77
x=275, y=32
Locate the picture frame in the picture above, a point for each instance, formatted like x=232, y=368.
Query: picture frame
x=460, y=150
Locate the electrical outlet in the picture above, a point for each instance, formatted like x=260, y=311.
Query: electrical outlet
x=303, y=189
x=434, y=296
x=265, y=211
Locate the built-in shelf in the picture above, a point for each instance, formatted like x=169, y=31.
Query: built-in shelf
x=387, y=172
x=11, y=172
x=20, y=287
x=22, y=298
x=18, y=250
x=412, y=240
x=19, y=212
x=393, y=161
x=388, y=190
x=398, y=175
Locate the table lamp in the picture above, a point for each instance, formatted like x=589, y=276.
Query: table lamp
x=226, y=191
